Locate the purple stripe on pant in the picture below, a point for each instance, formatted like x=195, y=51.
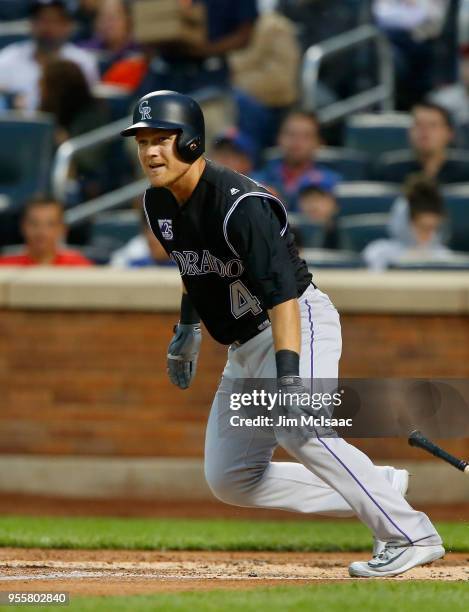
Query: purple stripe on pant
x=331, y=451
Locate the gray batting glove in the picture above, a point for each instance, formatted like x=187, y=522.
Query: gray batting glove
x=183, y=352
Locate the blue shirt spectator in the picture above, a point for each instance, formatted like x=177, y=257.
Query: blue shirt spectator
x=299, y=142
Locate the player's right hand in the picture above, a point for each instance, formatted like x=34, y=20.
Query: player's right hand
x=293, y=388
x=183, y=352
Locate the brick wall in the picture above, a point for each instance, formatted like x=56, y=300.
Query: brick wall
x=95, y=383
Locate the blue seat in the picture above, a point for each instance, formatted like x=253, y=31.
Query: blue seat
x=457, y=205
x=458, y=263
x=376, y=133
x=357, y=231
x=12, y=31
x=362, y=198
x=310, y=235
x=352, y=165
x=14, y=9
x=325, y=258
x=26, y=149
x=114, y=229
x=399, y=164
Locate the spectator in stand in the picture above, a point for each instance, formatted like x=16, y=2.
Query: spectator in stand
x=65, y=93
x=21, y=63
x=317, y=204
x=120, y=60
x=143, y=251
x=423, y=241
x=430, y=137
x=299, y=142
x=186, y=68
x=84, y=16
x=234, y=150
x=44, y=232
x=318, y=20
x=412, y=28
x=265, y=77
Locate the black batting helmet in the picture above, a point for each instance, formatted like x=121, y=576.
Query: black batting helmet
x=169, y=110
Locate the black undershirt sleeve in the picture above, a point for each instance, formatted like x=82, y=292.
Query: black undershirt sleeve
x=254, y=232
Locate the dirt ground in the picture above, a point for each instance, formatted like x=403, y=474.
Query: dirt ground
x=135, y=572
x=140, y=572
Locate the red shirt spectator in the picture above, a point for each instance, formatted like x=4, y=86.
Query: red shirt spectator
x=61, y=258
x=44, y=232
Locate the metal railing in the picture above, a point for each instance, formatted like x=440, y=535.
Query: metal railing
x=382, y=94
x=106, y=202
x=67, y=151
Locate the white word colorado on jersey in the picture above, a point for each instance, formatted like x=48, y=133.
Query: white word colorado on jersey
x=191, y=264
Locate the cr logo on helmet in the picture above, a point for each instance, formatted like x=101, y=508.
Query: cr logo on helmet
x=145, y=110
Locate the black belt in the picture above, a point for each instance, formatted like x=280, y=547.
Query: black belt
x=252, y=334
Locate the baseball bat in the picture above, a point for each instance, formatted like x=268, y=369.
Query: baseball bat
x=417, y=439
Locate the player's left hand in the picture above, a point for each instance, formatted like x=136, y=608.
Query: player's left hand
x=183, y=352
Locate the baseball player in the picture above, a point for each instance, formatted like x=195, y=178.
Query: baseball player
x=242, y=276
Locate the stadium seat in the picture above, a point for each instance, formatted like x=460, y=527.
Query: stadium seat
x=360, y=198
x=309, y=235
x=114, y=229
x=117, y=101
x=325, y=258
x=455, y=263
x=457, y=205
x=26, y=168
x=14, y=9
x=352, y=165
x=401, y=162
x=377, y=133
x=356, y=231
x=13, y=31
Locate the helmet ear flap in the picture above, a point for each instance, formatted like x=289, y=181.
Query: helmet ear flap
x=189, y=149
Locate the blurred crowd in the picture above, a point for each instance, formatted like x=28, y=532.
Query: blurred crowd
x=84, y=63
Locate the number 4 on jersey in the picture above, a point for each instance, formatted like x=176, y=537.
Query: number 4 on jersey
x=242, y=301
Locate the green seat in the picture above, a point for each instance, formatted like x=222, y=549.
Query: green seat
x=357, y=231
x=115, y=228
x=457, y=206
x=360, y=198
x=26, y=149
x=377, y=133
x=326, y=259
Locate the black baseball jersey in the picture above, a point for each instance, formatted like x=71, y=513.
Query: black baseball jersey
x=234, y=249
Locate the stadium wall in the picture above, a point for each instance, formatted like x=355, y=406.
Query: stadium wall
x=82, y=372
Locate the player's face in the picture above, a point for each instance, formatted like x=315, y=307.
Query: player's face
x=43, y=229
x=157, y=152
x=299, y=140
x=430, y=132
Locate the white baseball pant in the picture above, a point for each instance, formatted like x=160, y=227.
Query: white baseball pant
x=332, y=478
